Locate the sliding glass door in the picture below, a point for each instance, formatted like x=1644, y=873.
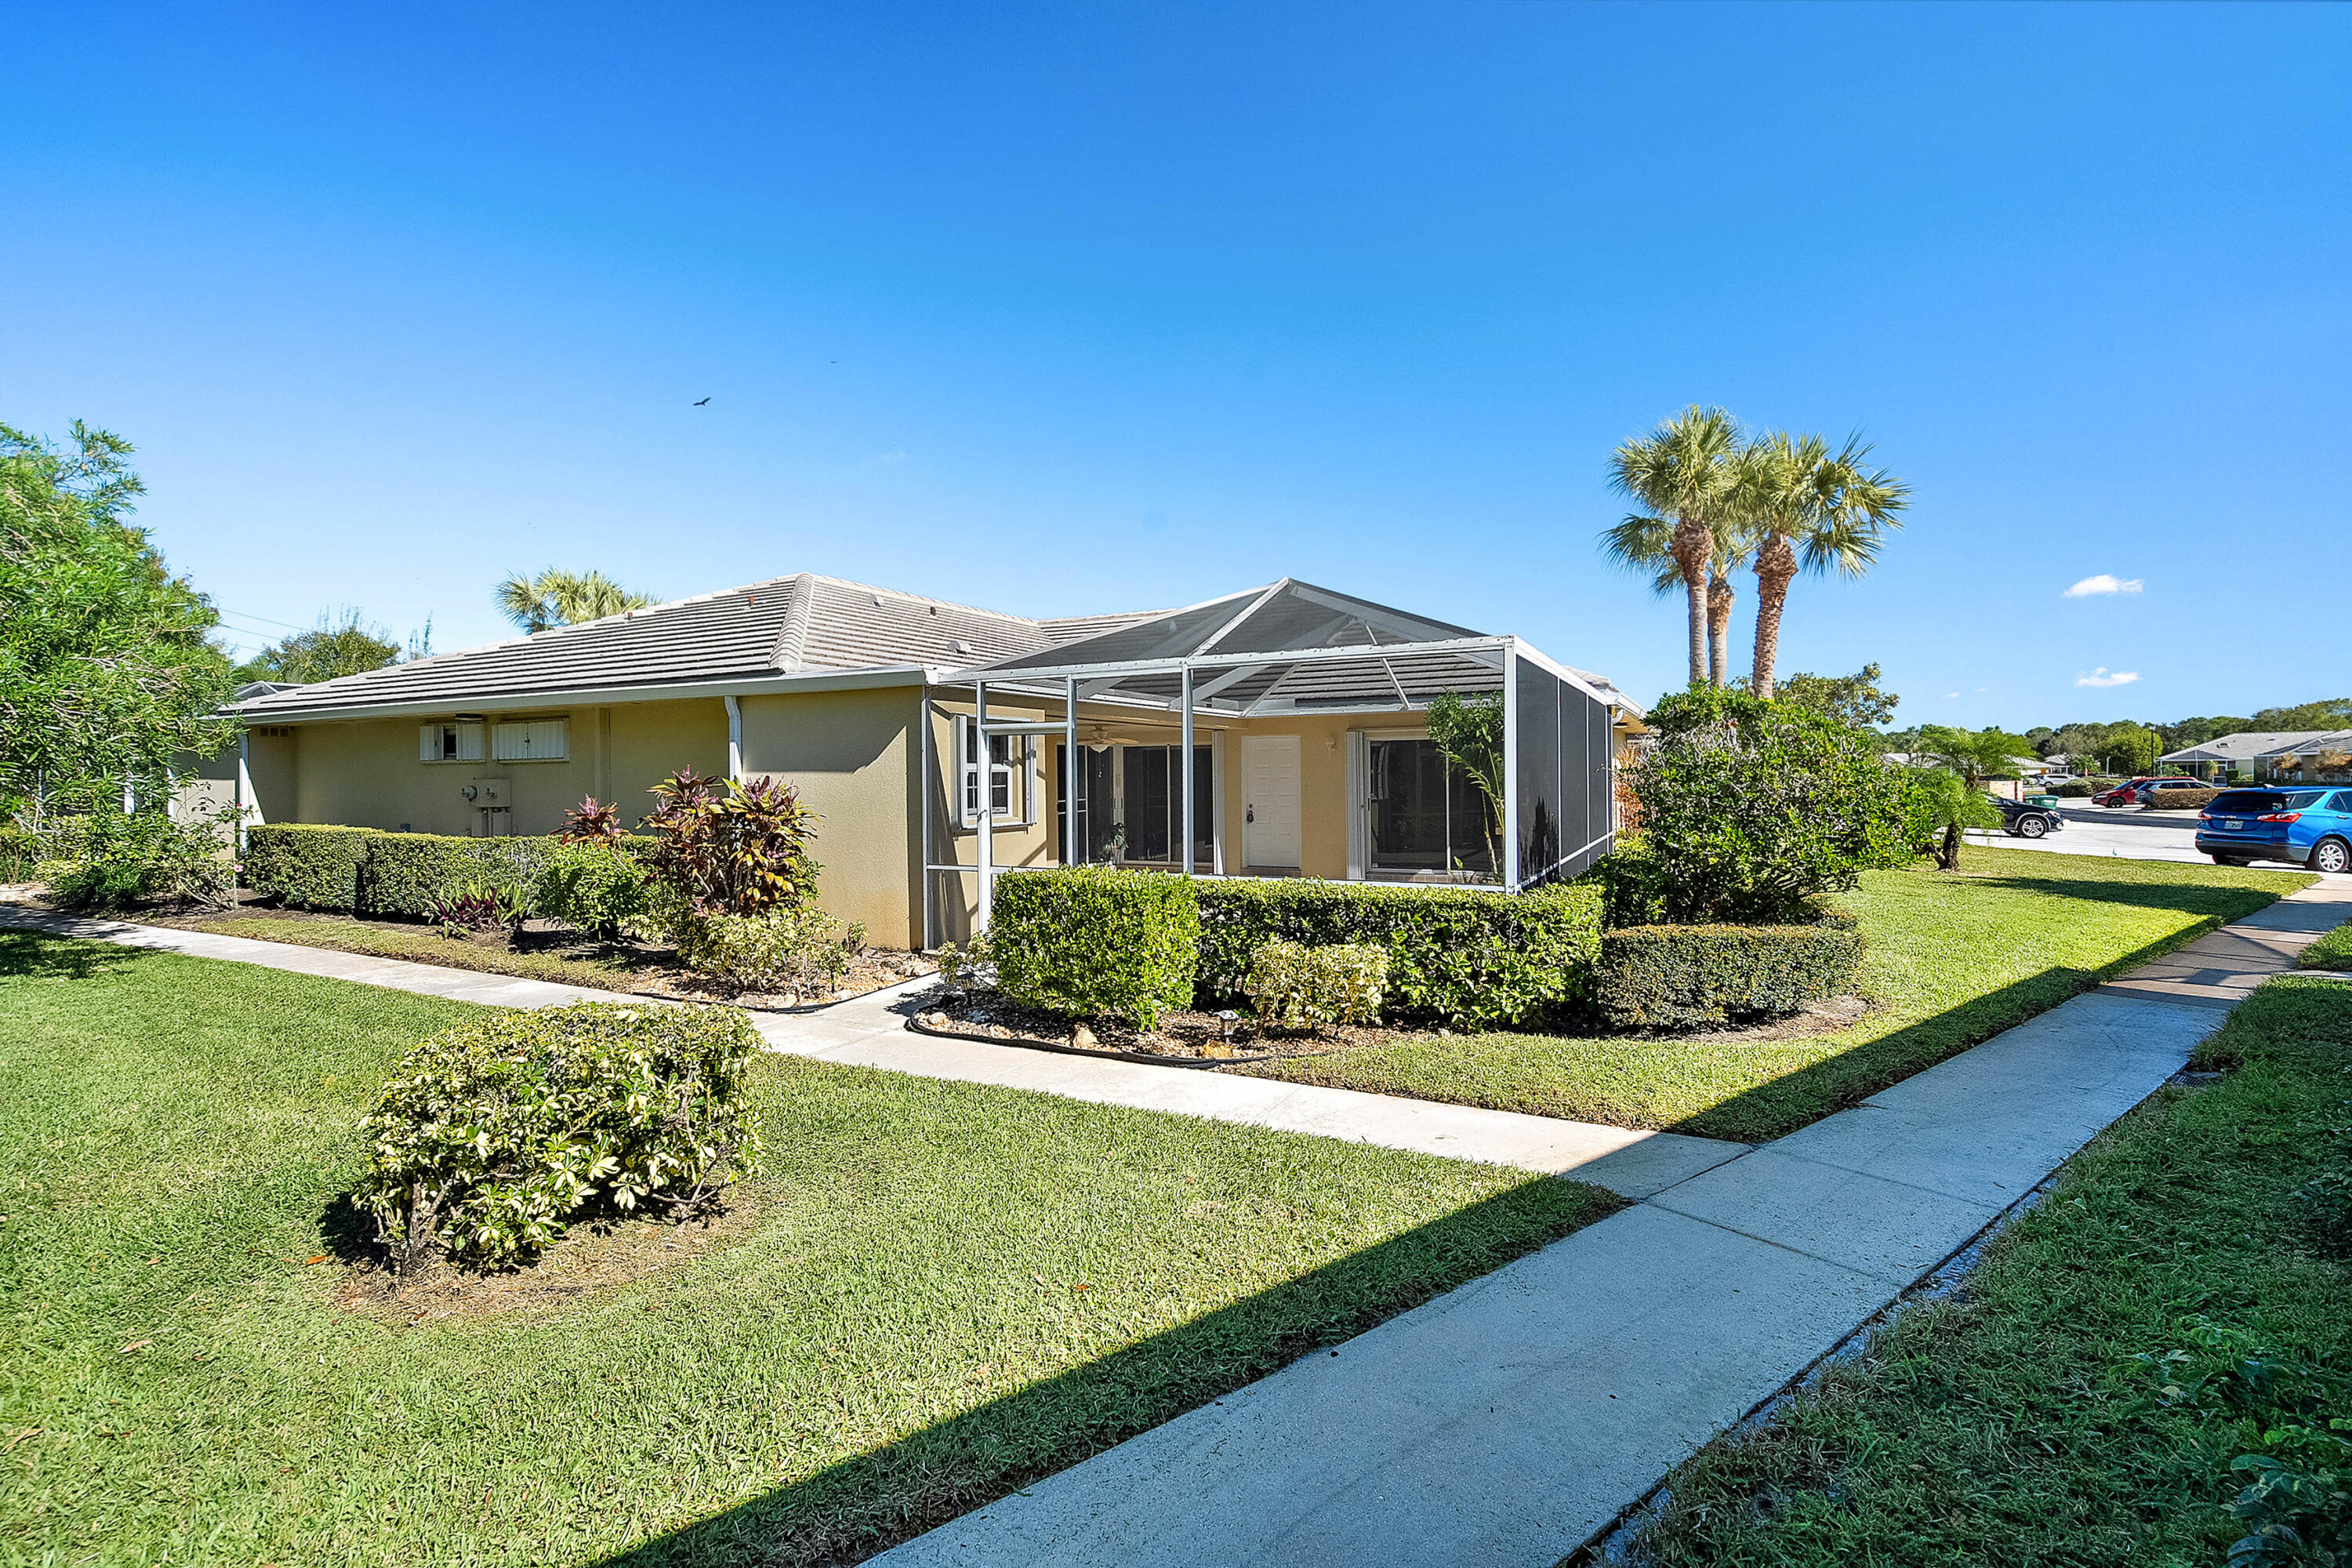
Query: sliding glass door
x=1429, y=818
x=1131, y=803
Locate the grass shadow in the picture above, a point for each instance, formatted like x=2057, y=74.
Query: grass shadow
x=37, y=955
x=854, y=1510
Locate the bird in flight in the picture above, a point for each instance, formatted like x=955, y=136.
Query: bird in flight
x=700, y=405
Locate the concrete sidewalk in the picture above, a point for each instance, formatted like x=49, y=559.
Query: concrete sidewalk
x=871, y=1032
x=1515, y=1419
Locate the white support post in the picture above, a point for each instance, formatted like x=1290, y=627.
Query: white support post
x=1184, y=683
x=1510, y=867
x=986, y=772
x=1072, y=774
x=242, y=791
x=734, y=739
x=923, y=804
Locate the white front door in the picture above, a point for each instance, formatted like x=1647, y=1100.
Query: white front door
x=1270, y=802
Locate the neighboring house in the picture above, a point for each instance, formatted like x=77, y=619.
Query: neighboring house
x=2267, y=756
x=1306, y=718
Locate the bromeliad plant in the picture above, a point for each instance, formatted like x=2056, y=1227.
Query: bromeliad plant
x=478, y=905
x=590, y=823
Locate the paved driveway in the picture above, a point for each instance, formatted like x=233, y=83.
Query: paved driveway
x=2129, y=835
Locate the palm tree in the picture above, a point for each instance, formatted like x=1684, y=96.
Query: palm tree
x=558, y=598
x=1646, y=544
x=1682, y=470
x=1797, y=505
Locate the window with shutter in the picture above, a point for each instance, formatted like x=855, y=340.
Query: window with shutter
x=449, y=743
x=531, y=741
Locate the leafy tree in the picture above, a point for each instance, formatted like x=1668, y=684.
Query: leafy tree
x=1752, y=809
x=2333, y=713
x=2131, y=748
x=1975, y=755
x=1468, y=733
x=337, y=646
x=558, y=598
x=105, y=671
x=1682, y=472
x=2196, y=731
x=1855, y=698
x=1801, y=509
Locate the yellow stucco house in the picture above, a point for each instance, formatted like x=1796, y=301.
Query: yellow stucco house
x=945, y=746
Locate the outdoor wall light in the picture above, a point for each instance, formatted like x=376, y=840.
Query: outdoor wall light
x=469, y=792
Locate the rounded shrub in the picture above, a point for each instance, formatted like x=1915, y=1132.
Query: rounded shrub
x=591, y=886
x=796, y=945
x=1096, y=941
x=494, y=1136
x=1296, y=987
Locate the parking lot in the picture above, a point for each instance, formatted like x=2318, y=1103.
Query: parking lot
x=2129, y=835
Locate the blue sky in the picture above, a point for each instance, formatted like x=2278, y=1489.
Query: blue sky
x=1066, y=310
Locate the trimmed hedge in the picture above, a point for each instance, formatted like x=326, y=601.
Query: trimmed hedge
x=405, y=874
x=1457, y=957
x=1654, y=977
x=2180, y=799
x=385, y=876
x=1088, y=941
x=305, y=867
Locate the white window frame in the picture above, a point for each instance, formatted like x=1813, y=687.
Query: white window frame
x=449, y=738
x=1016, y=778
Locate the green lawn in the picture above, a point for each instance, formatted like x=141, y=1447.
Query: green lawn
x=2333, y=951
x=2014, y=1424
x=1952, y=960
x=939, y=1291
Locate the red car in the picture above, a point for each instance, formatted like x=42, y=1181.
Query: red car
x=2133, y=792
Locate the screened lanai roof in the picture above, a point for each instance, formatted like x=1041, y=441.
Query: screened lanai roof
x=1287, y=646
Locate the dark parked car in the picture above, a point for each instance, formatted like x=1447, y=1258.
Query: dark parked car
x=2303, y=826
x=2020, y=820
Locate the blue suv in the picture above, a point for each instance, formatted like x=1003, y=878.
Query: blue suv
x=2308, y=826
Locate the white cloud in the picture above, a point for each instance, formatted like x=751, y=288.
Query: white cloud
x=2100, y=677
x=1949, y=695
x=2104, y=582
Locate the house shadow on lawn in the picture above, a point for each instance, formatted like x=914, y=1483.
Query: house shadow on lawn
x=855, y=1509
x=1796, y=1098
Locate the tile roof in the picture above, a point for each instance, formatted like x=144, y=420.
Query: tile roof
x=2247, y=744
x=785, y=626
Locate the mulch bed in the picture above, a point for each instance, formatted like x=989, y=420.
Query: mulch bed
x=1188, y=1036
x=1203, y=1039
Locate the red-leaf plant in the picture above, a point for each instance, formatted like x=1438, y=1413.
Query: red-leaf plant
x=726, y=847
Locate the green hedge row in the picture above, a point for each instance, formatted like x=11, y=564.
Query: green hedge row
x=2180, y=799
x=1091, y=941
x=307, y=867
x=393, y=876
x=1458, y=956
x=1665, y=977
